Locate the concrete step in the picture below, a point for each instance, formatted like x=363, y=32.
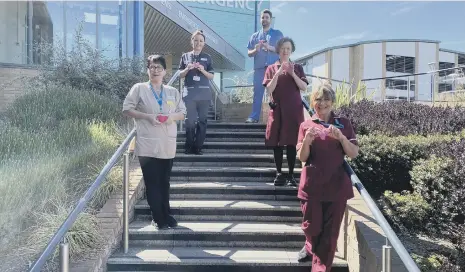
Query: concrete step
x=225, y=134
x=227, y=160
x=231, y=191
x=226, y=208
x=218, y=234
x=212, y=259
x=269, y=172
x=230, y=147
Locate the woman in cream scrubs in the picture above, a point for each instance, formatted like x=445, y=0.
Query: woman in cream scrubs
x=155, y=108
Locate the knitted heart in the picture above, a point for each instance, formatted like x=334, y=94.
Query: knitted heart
x=162, y=118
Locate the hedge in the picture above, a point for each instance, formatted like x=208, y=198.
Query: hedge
x=403, y=118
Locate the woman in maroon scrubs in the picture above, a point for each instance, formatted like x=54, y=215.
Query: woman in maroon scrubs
x=283, y=81
x=324, y=186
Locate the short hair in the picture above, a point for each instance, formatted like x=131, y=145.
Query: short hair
x=156, y=59
x=324, y=90
x=282, y=41
x=267, y=11
x=198, y=32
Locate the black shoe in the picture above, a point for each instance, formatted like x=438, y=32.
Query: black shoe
x=160, y=226
x=291, y=181
x=188, y=151
x=303, y=256
x=280, y=180
x=172, y=223
x=198, y=151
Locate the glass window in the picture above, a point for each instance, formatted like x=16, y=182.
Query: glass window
x=400, y=64
x=109, y=29
x=446, y=65
x=13, y=33
x=399, y=84
x=47, y=29
x=77, y=14
x=462, y=61
x=445, y=87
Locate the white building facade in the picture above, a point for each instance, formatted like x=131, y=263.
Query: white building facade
x=373, y=62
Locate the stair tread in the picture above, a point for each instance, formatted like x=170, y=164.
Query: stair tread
x=230, y=185
x=236, y=133
x=232, y=169
x=230, y=143
x=229, y=204
x=212, y=255
x=217, y=227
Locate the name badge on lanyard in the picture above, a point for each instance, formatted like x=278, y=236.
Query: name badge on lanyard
x=159, y=99
x=196, y=78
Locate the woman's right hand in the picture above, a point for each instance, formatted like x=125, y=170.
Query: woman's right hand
x=190, y=66
x=280, y=70
x=152, y=118
x=310, y=135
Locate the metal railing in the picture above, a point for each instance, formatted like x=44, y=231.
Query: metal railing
x=388, y=231
x=59, y=236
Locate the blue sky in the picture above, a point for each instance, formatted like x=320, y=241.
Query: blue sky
x=322, y=24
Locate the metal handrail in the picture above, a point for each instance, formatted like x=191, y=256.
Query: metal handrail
x=72, y=217
x=390, y=234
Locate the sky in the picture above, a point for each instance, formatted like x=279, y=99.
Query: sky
x=326, y=23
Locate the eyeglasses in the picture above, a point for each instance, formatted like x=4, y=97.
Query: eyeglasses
x=157, y=68
x=319, y=100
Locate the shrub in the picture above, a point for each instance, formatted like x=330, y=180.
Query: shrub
x=85, y=68
x=441, y=182
x=405, y=209
x=403, y=118
x=384, y=162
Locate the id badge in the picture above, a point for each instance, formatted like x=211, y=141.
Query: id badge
x=196, y=78
x=184, y=92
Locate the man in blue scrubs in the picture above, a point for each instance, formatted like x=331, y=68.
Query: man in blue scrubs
x=262, y=47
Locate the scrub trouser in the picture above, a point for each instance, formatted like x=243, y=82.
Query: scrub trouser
x=321, y=224
x=157, y=173
x=258, y=91
x=195, y=134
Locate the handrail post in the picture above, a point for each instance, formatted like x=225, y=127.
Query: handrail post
x=216, y=98
x=64, y=256
x=387, y=257
x=126, y=202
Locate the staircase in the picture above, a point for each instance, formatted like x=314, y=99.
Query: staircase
x=231, y=217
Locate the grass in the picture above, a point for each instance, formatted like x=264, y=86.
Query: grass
x=53, y=144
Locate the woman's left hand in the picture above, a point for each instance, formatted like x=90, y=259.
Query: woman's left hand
x=335, y=133
x=200, y=67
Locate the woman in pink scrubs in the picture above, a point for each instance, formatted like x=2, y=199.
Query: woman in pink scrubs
x=283, y=81
x=324, y=186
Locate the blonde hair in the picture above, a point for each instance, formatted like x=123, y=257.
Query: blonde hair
x=325, y=90
x=197, y=32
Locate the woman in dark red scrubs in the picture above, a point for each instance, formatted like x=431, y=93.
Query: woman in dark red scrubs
x=324, y=186
x=283, y=81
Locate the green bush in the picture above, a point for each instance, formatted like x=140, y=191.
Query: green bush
x=406, y=209
x=384, y=163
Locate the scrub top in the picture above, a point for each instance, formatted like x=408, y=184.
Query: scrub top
x=323, y=178
x=283, y=121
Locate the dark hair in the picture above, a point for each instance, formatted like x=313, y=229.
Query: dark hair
x=282, y=41
x=267, y=11
x=156, y=59
x=198, y=32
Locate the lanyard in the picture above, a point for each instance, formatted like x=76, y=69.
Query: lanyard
x=158, y=98
x=326, y=125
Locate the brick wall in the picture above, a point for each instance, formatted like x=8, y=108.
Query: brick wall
x=361, y=239
x=11, y=84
